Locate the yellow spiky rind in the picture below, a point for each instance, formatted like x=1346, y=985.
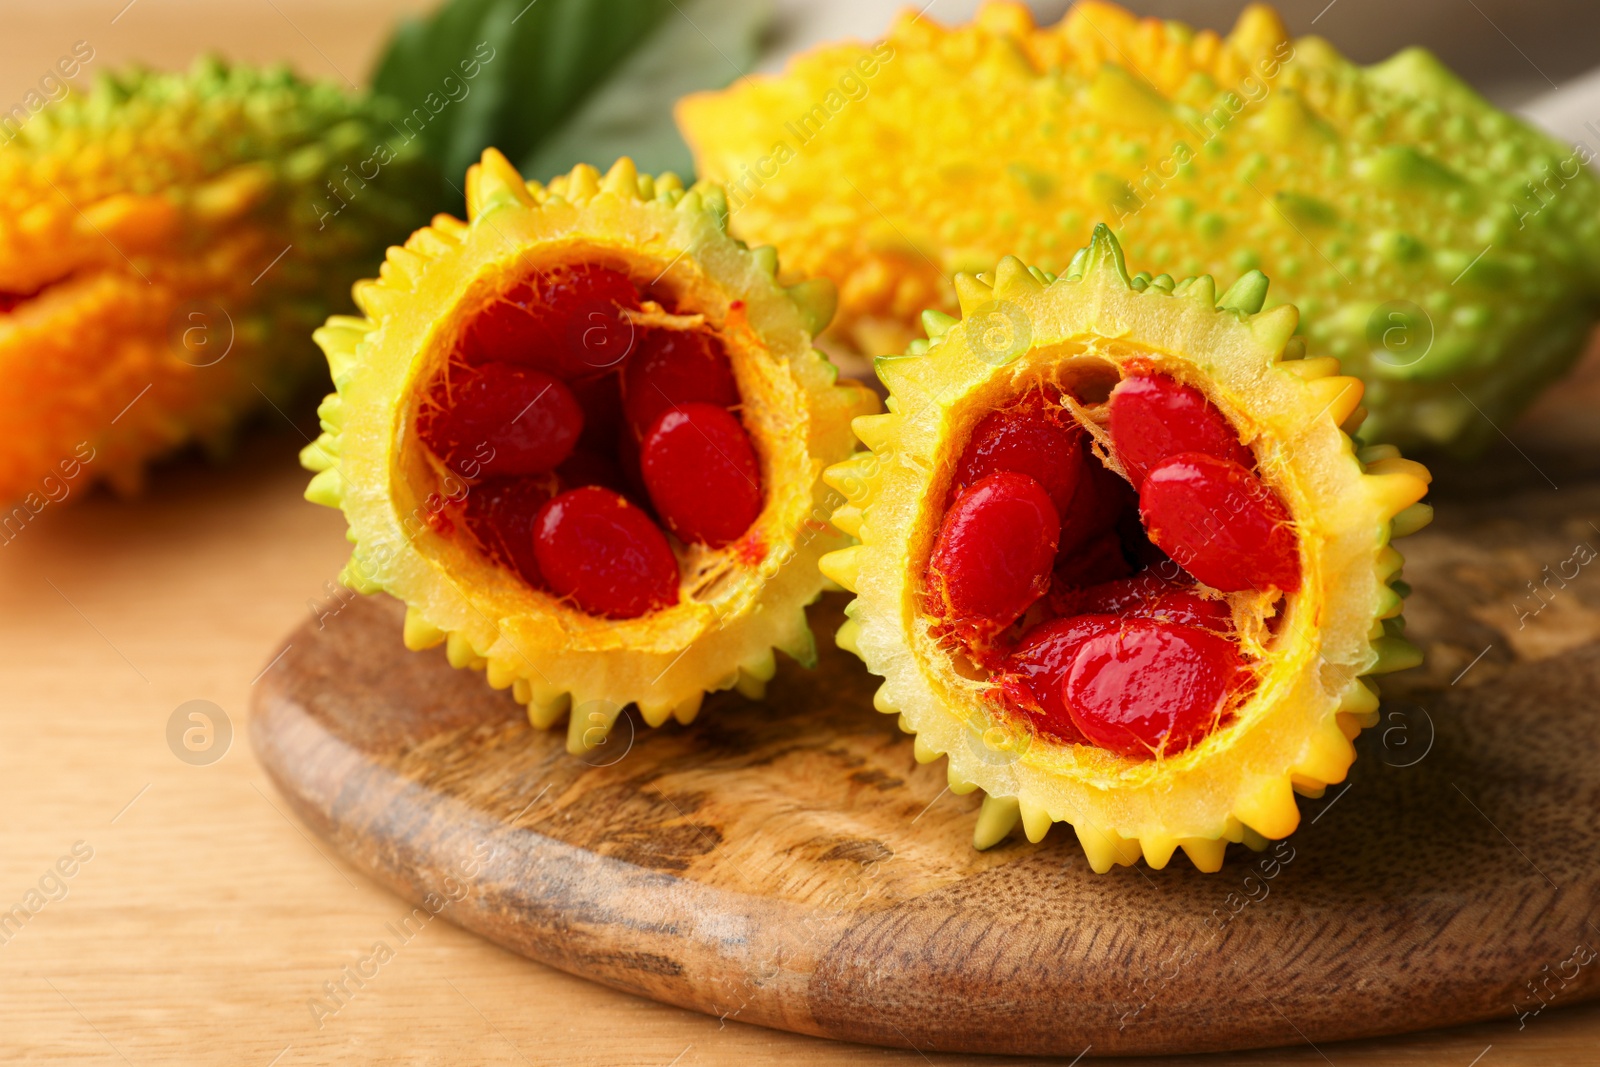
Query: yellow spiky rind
x=1294, y=732
x=1445, y=251
x=734, y=609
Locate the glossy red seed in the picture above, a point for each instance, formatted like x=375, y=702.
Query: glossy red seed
x=566, y=321
x=1154, y=417
x=1150, y=686
x=675, y=367
x=1031, y=677
x=1025, y=439
x=1102, y=498
x=1220, y=523
x=500, y=514
x=994, y=552
x=702, y=474
x=506, y=419
x=604, y=553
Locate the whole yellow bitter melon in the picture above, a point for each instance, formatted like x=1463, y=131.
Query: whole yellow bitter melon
x=533, y=399
x=1217, y=584
x=1445, y=252
x=167, y=243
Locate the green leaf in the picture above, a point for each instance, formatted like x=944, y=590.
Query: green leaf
x=704, y=44
x=555, y=82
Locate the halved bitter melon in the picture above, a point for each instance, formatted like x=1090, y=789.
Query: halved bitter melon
x=536, y=396
x=1161, y=666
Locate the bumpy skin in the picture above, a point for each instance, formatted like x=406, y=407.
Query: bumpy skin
x=1294, y=731
x=1359, y=190
x=735, y=608
x=148, y=216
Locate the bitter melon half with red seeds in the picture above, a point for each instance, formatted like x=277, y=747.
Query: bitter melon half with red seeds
x=1445, y=252
x=167, y=244
x=581, y=435
x=1119, y=560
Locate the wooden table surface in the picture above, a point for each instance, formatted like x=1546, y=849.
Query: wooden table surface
x=205, y=920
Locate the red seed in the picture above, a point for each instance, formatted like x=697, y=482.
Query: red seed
x=566, y=321
x=605, y=553
x=1189, y=609
x=702, y=474
x=994, y=552
x=1150, y=687
x=1102, y=498
x=1149, y=596
x=503, y=419
x=500, y=514
x=1220, y=523
x=1123, y=595
x=598, y=335
x=1025, y=439
x=1031, y=677
x=1154, y=417
x=671, y=368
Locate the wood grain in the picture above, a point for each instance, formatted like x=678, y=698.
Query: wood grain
x=790, y=864
x=210, y=916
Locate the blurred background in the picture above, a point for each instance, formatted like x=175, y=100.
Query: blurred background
x=1513, y=50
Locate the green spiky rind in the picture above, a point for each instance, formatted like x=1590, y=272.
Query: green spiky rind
x=1449, y=205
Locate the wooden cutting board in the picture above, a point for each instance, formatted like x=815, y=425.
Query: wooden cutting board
x=790, y=864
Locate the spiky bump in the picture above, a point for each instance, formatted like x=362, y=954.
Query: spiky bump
x=1445, y=252
x=1294, y=732
x=734, y=609
x=169, y=241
